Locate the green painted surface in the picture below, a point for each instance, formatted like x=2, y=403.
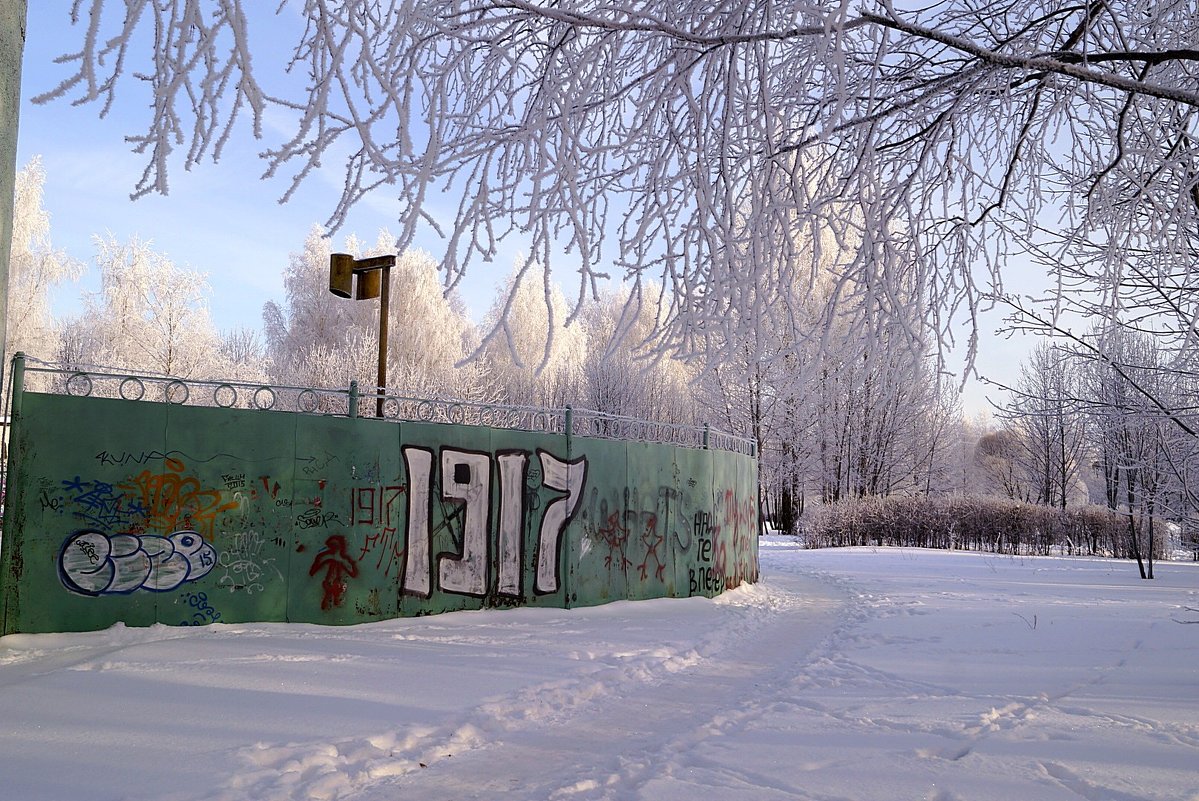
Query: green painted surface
x=597, y=559
x=144, y=513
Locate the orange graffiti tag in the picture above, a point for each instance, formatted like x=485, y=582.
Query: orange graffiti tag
x=172, y=500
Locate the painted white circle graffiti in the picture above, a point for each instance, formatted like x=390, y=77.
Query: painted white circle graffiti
x=94, y=563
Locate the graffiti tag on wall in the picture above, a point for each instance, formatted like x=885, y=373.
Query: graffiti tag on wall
x=169, y=497
x=337, y=566
x=94, y=563
x=245, y=565
x=465, y=481
x=711, y=537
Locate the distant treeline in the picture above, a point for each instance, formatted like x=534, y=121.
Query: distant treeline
x=981, y=524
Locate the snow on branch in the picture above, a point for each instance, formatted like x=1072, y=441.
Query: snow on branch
x=736, y=155
x=199, y=74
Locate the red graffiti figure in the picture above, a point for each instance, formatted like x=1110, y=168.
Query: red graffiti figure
x=338, y=565
x=652, y=541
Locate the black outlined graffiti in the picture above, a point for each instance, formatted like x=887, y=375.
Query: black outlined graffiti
x=466, y=478
x=417, y=566
x=465, y=482
x=568, y=477
x=514, y=501
x=95, y=563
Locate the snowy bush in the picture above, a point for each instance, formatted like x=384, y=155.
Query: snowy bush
x=975, y=523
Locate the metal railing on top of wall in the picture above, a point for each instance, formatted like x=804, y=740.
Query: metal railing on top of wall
x=35, y=375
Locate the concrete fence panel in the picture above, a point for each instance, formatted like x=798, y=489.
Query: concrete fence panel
x=154, y=512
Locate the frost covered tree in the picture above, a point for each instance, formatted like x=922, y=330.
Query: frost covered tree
x=430, y=334
x=149, y=316
x=243, y=351
x=997, y=455
x=876, y=413
x=1045, y=415
x=12, y=43
x=318, y=339
x=879, y=426
x=839, y=387
x=624, y=376
x=668, y=139
x=535, y=358
x=36, y=268
x=1144, y=463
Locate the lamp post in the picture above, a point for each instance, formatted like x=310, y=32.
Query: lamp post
x=373, y=281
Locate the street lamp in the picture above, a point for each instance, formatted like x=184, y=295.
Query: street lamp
x=374, y=281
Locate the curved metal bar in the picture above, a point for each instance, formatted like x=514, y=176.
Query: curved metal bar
x=171, y=387
x=79, y=380
x=132, y=381
x=232, y=391
x=258, y=404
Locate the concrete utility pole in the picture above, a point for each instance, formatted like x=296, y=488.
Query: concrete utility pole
x=12, y=46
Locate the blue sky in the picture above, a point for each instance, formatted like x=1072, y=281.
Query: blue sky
x=221, y=219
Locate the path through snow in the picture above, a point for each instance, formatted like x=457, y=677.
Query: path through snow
x=629, y=724
x=846, y=675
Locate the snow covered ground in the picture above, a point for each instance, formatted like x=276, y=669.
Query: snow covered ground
x=845, y=674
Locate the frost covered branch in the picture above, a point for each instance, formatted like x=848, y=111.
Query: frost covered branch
x=737, y=155
x=200, y=69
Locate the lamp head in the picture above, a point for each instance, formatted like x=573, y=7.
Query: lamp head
x=370, y=284
x=341, y=274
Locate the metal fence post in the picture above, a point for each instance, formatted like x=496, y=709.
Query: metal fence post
x=569, y=425
x=353, y=399
x=6, y=464
x=18, y=384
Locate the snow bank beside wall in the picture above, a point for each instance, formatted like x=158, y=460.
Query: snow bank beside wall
x=143, y=513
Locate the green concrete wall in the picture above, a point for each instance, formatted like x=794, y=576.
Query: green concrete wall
x=142, y=513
